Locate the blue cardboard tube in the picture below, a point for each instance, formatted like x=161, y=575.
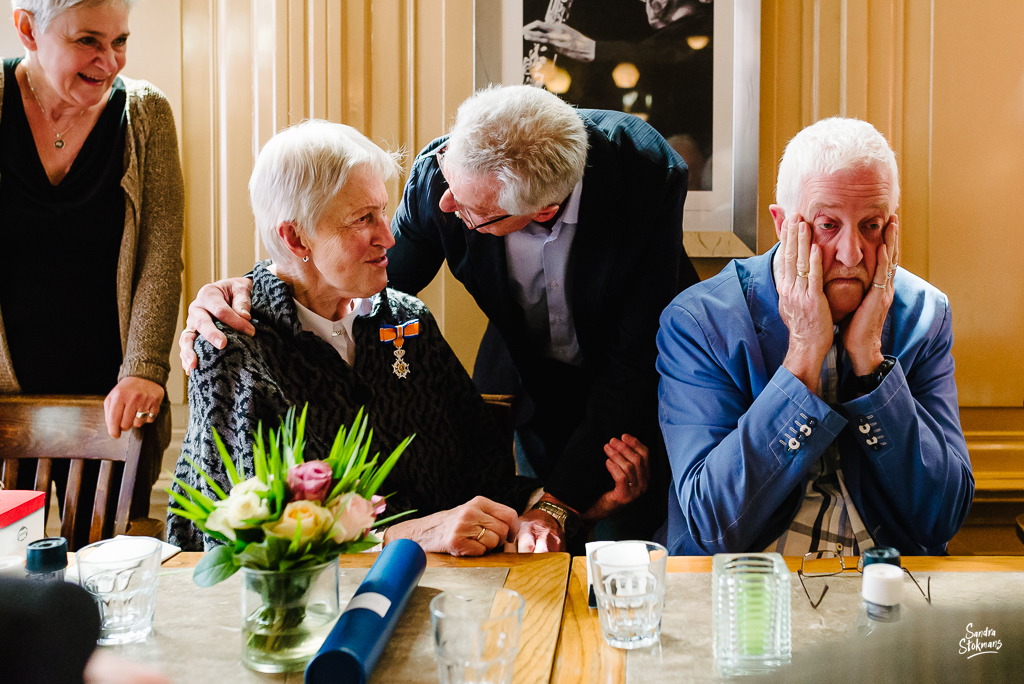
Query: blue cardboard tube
x=354, y=645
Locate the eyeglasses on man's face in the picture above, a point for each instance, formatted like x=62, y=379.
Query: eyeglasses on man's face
x=463, y=212
x=833, y=563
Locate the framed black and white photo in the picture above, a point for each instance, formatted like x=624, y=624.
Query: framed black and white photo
x=690, y=68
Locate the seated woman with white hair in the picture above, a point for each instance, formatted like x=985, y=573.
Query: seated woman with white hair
x=320, y=204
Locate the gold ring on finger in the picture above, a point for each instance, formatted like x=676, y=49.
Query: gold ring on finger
x=144, y=414
x=480, y=533
x=880, y=287
x=802, y=274
x=190, y=331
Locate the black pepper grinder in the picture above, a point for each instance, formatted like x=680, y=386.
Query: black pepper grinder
x=47, y=559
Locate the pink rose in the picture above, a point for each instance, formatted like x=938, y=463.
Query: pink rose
x=353, y=515
x=379, y=505
x=310, y=481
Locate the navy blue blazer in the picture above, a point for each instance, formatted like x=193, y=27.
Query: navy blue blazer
x=624, y=269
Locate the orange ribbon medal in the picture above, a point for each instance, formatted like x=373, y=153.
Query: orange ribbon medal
x=397, y=334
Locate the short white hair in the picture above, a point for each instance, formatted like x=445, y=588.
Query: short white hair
x=301, y=169
x=828, y=147
x=45, y=11
x=532, y=142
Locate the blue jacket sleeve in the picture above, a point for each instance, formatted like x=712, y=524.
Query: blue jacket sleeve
x=909, y=438
x=738, y=462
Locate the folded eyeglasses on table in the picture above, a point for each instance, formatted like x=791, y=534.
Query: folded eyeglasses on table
x=833, y=563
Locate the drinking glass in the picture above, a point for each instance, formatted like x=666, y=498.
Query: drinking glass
x=476, y=634
x=629, y=582
x=750, y=612
x=121, y=574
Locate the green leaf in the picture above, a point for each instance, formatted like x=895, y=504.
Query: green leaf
x=275, y=448
x=200, y=499
x=392, y=518
x=259, y=454
x=294, y=546
x=212, y=533
x=299, y=443
x=225, y=457
x=256, y=556
x=378, y=478
x=213, y=483
x=333, y=457
x=360, y=546
x=187, y=504
x=215, y=566
x=186, y=514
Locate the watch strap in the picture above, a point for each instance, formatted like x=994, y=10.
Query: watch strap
x=567, y=518
x=865, y=384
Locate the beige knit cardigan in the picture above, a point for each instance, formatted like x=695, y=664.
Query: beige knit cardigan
x=149, y=264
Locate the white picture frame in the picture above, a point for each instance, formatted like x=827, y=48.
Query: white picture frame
x=721, y=222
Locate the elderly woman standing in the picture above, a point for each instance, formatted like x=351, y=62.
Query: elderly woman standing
x=326, y=328
x=91, y=201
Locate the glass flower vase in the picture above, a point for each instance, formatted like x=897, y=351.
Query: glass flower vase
x=287, y=615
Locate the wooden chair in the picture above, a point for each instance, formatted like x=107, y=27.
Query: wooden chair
x=72, y=427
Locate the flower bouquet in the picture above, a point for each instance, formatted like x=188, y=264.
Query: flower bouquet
x=285, y=528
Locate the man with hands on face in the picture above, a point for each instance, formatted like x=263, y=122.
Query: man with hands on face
x=807, y=395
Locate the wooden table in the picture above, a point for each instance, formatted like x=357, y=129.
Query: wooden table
x=583, y=655
x=540, y=578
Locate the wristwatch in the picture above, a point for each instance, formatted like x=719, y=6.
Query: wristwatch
x=865, y=384
x=569, y=520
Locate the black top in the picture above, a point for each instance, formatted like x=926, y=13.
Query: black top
x=59, y=297
x=458, y=452
x=48, y=631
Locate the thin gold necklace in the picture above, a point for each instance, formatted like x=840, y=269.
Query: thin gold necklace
x=59, y=142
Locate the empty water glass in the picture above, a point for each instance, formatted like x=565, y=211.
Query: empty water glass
x=121, y=574
x=750, y=612
x=629, y=583
x=476, y=634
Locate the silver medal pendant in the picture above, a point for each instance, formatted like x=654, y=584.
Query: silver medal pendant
x=400, y=367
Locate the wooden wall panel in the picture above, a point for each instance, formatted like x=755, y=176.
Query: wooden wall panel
x=944, y=82
x=199, y=152
x=394, y=69
x=977, y=163
x=941, y=81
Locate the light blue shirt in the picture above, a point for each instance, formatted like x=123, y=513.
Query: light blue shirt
x=538, y=260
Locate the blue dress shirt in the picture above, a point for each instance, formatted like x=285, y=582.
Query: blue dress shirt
x=538, y=263
x=742, y=432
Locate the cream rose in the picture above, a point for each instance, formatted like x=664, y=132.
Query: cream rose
x=353, y=515
x=316, y=520
x=217, y=522
x=246, y=506
x=243, y=504
x=253, y=484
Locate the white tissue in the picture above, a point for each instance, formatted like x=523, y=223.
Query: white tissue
x=122, y=548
